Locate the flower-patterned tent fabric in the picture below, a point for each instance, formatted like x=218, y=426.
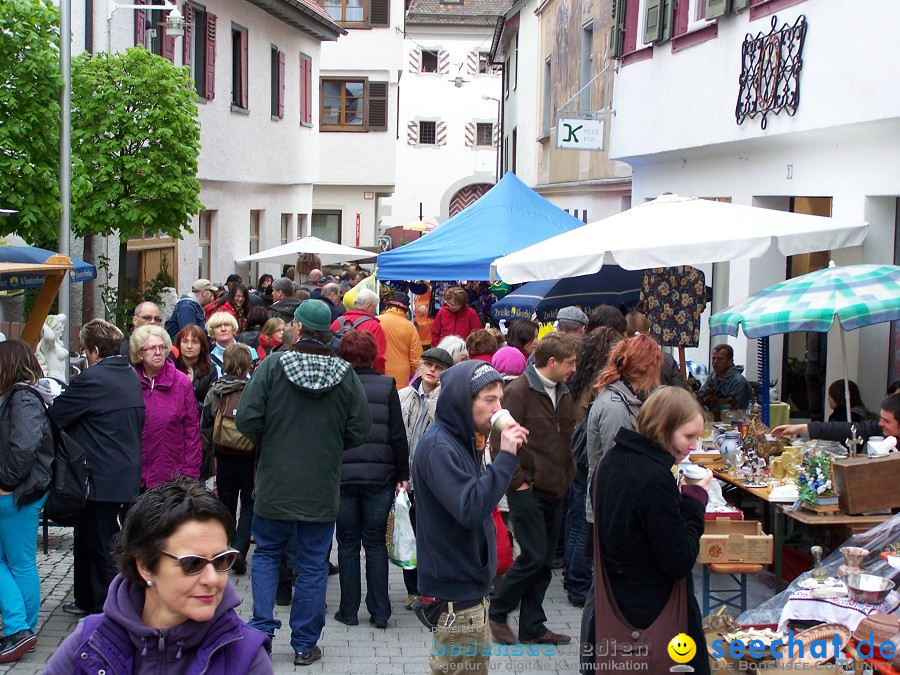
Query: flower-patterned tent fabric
x=673, y=298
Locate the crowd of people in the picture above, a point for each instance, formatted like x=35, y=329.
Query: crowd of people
x=277, y=414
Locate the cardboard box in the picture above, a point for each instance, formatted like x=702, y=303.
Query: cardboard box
x=734, y=541
x=865, y=484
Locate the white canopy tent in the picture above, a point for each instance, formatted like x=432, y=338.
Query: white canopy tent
x=672, y=230
x=328, y=252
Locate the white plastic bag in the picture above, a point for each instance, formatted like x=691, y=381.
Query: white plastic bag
x=403, y=540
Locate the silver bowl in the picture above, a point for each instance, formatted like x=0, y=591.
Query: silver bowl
x=868, y=589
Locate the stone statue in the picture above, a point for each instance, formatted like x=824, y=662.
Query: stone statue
x=168, y=298
x=51, y=354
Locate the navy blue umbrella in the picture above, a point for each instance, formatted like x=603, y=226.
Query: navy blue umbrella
x=612, y=285
x=27, y=255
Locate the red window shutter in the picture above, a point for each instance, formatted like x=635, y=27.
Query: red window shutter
x=632, y=9
x=140, y=24
x=187, y=42
x=209, y=82
x=305, y=90
x=281, y=85
x=168, y=46
x=245, y=60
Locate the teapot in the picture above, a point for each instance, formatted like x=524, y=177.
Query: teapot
x=729, y=445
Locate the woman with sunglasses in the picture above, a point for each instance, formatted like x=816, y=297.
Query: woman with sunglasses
x=170, y=441
x=171, y=608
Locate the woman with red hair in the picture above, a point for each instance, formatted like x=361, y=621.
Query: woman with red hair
x=631, y=373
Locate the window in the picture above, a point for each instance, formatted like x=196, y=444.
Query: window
x=506, y=72
x=301, y=225
x=277, y=75
x=327, y=225
x=239, y=63
x=548, y=112
x=150, y=31
x=305, y=90
x=255, y=217
x=353, y=105
x=587, y=66
x=346, y=11
x=515, y=139
x=484, y=63
x=286, y=223
x=204, y=236
x=427, y=132
x=429, y=61
x=484, y=133
x=199, y=49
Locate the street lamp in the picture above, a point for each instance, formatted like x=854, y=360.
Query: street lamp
x=500, y=123
x=174, y=23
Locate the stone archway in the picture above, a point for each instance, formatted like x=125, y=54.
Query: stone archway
x=467, y=195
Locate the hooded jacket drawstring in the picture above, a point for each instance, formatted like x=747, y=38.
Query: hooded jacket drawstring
x=144, y=643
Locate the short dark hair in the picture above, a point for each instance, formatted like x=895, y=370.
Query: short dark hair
x=725, y=347
x=256, y=318
x=154, y=518
x=836, y=392
x=18, y=363
x=103, y=335
x=521, y=332
x=892, y=405
x=358, y=347
x=893, y=387
x=556, y=345
x=606, y=315
x=482, y=341
x=323, y=336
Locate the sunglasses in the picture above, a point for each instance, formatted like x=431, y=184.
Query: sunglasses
x=194, y=564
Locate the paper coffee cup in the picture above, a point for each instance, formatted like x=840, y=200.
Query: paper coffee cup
x=694, y=474
x=500, y=419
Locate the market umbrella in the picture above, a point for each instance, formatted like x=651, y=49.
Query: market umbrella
x=421, y=225
x=15, y=272
x=672, y=230
x=612, y=286
x=328, y=252
x=855, y=295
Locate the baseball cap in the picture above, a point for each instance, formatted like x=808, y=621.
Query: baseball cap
x=314, y=314
x=572, y=314
x=202, y=285
x=438, y=355
x=234, y=278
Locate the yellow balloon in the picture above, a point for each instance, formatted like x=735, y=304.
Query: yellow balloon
x=682, y=648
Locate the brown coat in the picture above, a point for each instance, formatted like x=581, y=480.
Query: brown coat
x=545, y=461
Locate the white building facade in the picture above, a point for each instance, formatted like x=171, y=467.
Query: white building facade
x=822, y=138
x=255, y=65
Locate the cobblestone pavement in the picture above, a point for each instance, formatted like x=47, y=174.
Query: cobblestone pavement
x=362, y=649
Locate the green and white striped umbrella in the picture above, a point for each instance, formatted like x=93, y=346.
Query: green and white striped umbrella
x=857, y=295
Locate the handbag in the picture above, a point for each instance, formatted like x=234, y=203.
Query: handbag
x=504, y=545
x=619, y=641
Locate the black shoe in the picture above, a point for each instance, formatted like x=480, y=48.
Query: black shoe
x=308, y=657
x=240, y=566
x=332, y=569
x=378, y=623
x=72, y=608
x=558, y=563
x=283, y=596
x=575, y=601
x=346, y=620
x=13, y=647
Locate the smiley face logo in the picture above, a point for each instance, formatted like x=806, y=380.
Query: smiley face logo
x=682, y=648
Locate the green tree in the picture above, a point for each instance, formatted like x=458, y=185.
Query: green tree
x=30, y=85
x=135, y=140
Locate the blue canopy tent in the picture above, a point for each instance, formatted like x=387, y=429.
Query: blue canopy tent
x=508, y=218
x=20, y=258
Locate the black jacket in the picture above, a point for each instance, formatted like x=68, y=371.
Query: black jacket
x=26, y=444
x=103, y=409
x=455, y=496
x=249, y=337
x=840, y=431
x=384, y=457
x=649, y=533
x=283, y=309
x=202, y=384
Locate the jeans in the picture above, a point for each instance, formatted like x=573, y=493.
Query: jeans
x=308, y=605
x=363, y=517
x=96, y=527
x=234, y=478
x=536, y=524
x=578, y=564
x=20, y=585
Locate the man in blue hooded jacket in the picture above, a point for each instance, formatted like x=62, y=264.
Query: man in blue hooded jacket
x=455, y=496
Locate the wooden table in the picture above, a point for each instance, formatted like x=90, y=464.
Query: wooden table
x=775, y=514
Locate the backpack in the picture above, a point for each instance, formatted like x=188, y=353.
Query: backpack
x=225, y=434
x=70, y=476
x=346, y=326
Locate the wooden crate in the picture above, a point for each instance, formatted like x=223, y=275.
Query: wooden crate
x=865, y=485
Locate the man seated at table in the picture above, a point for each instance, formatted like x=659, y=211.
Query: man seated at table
x=727, y=379
x=888, y=424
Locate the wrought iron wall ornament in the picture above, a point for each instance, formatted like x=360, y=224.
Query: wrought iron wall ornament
x=770, y=71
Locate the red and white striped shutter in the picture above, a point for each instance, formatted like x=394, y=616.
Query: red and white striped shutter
x=187, y=42
x=441, y=133
x=496, y=135
x=470, y=134
x=472, y=62
x=415, y=60
x=443, y=62
x=412, y=132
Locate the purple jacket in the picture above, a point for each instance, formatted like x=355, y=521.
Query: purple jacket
x=170, y=441
x=117, y=641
